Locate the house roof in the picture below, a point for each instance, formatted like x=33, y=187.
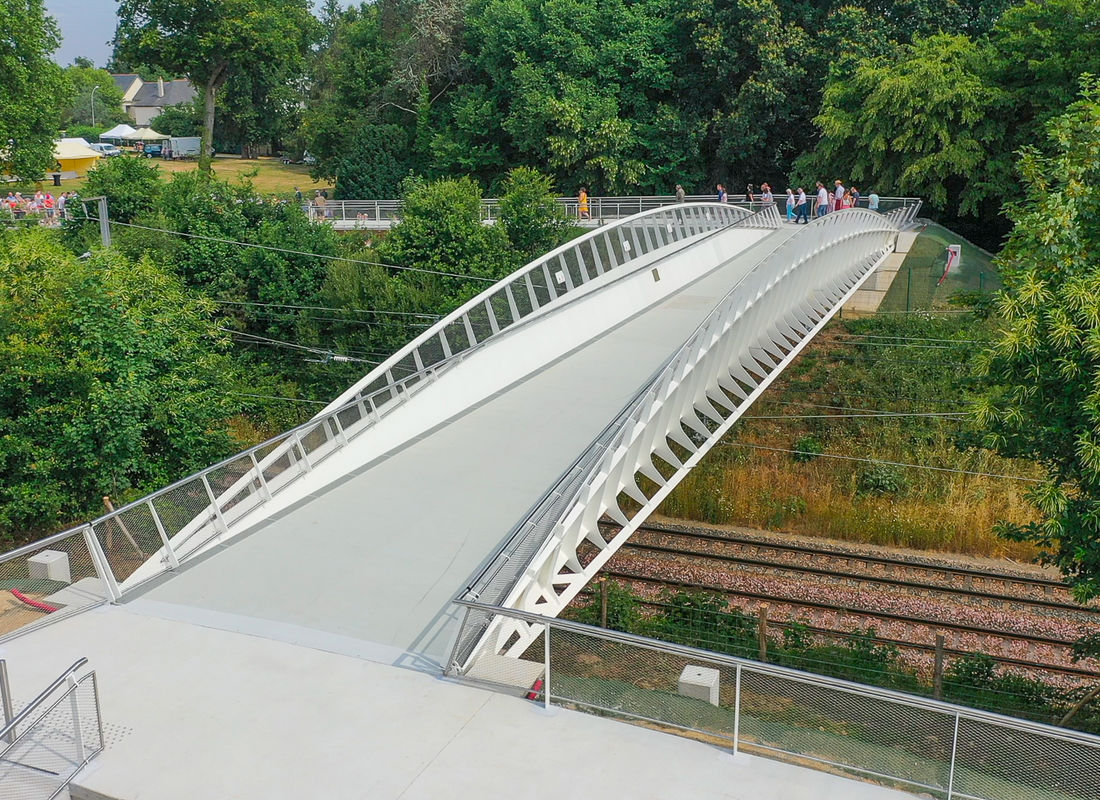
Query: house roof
x=175, y=92
x=124, y=80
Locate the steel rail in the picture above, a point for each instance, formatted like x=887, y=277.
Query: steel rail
x=886, y=615
x=864, y=578
x=42, y=697
x=871, y=559
x=911, y=645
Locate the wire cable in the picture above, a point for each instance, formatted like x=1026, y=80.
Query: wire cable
x=330, y=308
x=329, y=354
x=937, y=414
x=296, y=252
x=880, y=461
x=275, y=397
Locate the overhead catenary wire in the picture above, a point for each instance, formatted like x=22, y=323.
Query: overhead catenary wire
x=936, y=414
x=276, y=397
x=329, y=354
x=881, y=461
x=383, y=312
x=297, y=252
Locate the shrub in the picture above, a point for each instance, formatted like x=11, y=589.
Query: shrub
x=809, y=448
x=880, y=479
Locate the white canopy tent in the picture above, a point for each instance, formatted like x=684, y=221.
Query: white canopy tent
x=118, y=132
x=145, y=135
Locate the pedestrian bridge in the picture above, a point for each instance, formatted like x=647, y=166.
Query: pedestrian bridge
x=439, y=515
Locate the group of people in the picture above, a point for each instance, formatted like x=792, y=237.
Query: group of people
x=798, y=204
x=42, y=204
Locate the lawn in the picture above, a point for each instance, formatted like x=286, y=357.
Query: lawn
x=268, y=175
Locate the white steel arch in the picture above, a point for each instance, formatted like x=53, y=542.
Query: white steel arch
x=750, y=337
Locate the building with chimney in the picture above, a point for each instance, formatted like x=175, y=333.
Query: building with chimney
x=144, y=100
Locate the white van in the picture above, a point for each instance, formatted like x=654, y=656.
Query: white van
x=105, y=149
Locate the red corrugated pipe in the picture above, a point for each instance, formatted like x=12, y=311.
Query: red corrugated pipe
x=30, y=601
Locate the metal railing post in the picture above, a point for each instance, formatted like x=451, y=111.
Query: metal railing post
x=101, y=564
x=954, y=751
x=265, y=490
x=213, y=501
x=78, y=730
x=737, y=710
x=173, y=562
x=546, y=666
x=5, y=700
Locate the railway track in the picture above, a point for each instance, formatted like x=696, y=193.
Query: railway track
x=924, y=579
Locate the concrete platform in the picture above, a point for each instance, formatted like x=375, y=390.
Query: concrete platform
x=195, y=712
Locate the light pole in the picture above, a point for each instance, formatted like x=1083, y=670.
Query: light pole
x=93, y=104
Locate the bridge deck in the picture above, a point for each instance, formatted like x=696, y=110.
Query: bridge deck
x=368, y=564
x=192, y=712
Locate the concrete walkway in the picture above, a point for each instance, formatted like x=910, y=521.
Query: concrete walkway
x=195, y=712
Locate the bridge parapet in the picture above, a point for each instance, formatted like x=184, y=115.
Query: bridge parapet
x=753, y=333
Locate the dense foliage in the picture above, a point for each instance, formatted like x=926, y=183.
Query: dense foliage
x=1044, y=403
x=114, y=378
x=254, y=49
x=31, y=89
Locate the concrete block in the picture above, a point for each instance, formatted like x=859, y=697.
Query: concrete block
x=51, y=565
x=905, y=241
x=700, y=683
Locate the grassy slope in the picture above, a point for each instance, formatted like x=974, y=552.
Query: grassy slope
x=916, y=282
x=271, y=175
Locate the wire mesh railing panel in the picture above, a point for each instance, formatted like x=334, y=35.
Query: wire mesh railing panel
x=350, y=417
x=645, y=684
x=128, y=538
x=32, y=577
x=182, y=504
x=52, y=747
x=431, y=352
x=846, y=729
x=478, y=317
x=279, y=470
x=996, y=762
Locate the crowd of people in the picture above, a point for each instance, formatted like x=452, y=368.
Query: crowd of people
x=824, y=201
x=41, y=205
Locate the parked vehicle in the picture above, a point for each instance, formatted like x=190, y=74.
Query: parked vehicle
x=105, y=148
x=185, y=146
x=153, y=149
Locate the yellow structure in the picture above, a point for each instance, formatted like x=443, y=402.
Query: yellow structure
x=75, y=156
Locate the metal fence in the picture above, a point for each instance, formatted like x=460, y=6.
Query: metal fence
x=911, y=743
x=383, y=213
x=52, y=738
x=143, y=539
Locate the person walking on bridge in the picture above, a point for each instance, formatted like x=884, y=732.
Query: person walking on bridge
x=822, y=199
x=838, y=196
x=801, y=208
x=680, y=195
x=722, y=196
x=582, y=204
x=791, y=203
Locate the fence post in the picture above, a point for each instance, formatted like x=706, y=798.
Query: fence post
x=954, y=750
x=981, y=281
x=762, y=632
x=78, y=731
x=737, y=710
x=937, y=673
x=102, y=565
x=908, y=286
x=5, y=700
x=603, y=602
x=546, y=666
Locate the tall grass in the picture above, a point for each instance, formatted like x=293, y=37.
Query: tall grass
x=854, y=366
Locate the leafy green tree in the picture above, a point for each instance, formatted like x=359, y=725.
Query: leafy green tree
x=113, y=380
x=533, y=220
x=441, y=230
x=183, y=119
x=88, y=88
x=31, y=89
x=131, y=186
x=926, y=123
x=1043, y=403
x=211, y=42
x=373, y=164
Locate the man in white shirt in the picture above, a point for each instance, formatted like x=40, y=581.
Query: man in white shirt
x=838, y=196
x=822, y=199
x=801, y=208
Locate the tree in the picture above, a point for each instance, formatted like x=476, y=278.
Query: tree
x=373, y=163
x=441, y=230
x=114, y=380
x=31, y=89
x=211, y=42
x=925, y=123
x=532, y=219
x=182, y=119
x=88, y=88
x=1043, y=402
x=131, y=185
